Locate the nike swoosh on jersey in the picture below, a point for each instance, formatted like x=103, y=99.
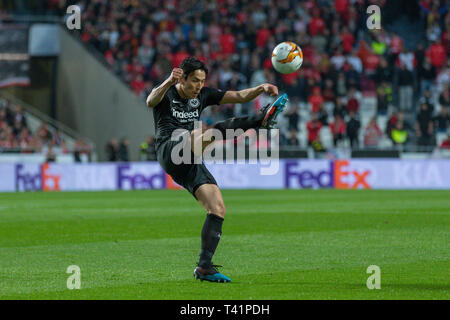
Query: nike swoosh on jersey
x=175, y=101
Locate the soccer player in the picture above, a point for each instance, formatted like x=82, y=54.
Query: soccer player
x=177, y=103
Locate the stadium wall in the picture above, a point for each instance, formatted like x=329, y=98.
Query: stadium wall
x=95, y=103
x=291, y=174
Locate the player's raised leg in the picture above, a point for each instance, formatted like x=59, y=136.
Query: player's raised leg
x=264, y=119
x=210, y=197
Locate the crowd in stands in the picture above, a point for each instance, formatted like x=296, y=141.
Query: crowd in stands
x=143, y=40
x=17, y=136
x=117, y=151
x=344, y=61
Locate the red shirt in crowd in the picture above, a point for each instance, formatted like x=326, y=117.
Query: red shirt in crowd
x=352, y=105
x=445, y=143
x=178, y=57
x=228, y=43
x=338, y=127
x=313, y=128
x=396, y=44
x=437, y=55
x=347, y=41
x=316, y=26
x=371, y=62
x=136, y=68
x=137, y=86
x=288, y=78
x=341, y=6
x=316, y=100
x=446, y=40
x=262, y=36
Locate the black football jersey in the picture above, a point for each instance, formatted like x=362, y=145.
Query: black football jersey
x=173, y=112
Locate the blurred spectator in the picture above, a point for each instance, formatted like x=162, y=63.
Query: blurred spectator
x=406, y=59
x=322, y=115
x=341, y=85
x=383, y=99
x=316, y=99
x=352, y=103
x=442, y=121
x=391, y=123
x=355, y=62
x=437, y=54
x=292, y=140
x=405, y=84
x=444, y=97
x=445, y=144
x=50, y=155
x=372, y=133
x=122, y=153
x=338, y=129
x=329, y=92
x=339, y=108
x=395, y=47
x=428, y=100
x=313, y=127
x=424, y=126
x=399, y=135
x=293, y=117
x=378, y=45
x=383, y=72
x=44, y=134
x=427, y=75
x=112, y=149
x=347, y=40
x=353, y=126
x=147, y=150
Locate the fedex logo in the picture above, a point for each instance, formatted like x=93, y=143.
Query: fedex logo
x=346, y=178
x=129, y=177
x=304, y=177
x=327, y=174
x=28, y=177
x=36, y=177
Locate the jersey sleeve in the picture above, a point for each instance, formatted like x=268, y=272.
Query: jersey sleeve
x=165, y=102
x=213, y=96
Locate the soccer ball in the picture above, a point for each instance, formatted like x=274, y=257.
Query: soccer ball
x=287, y=57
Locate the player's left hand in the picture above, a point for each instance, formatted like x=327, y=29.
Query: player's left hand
x=270, y=89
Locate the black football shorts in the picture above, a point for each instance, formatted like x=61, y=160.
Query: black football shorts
x=188, y=175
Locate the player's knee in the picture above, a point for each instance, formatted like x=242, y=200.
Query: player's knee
x=219, y=209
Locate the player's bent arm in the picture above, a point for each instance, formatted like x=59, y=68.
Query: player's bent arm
x=158, y=93
x=248, y=95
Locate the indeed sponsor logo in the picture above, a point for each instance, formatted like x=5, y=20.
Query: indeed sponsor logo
x=337, y=175
x=127, y=180
x=184, y=114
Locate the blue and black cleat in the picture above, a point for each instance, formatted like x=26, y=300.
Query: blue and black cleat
x=210, y=274
x=271, y=111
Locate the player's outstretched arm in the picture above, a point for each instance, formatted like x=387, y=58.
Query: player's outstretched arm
x=158, y=93
x=247, y=95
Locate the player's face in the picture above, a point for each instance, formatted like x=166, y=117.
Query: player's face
x=194, y=83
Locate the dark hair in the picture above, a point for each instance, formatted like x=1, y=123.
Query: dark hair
x=190, y=64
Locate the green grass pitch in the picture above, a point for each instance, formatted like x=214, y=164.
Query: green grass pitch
x=283, y=244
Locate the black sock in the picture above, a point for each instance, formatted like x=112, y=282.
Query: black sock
x=211, y=233
x=243, y=123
